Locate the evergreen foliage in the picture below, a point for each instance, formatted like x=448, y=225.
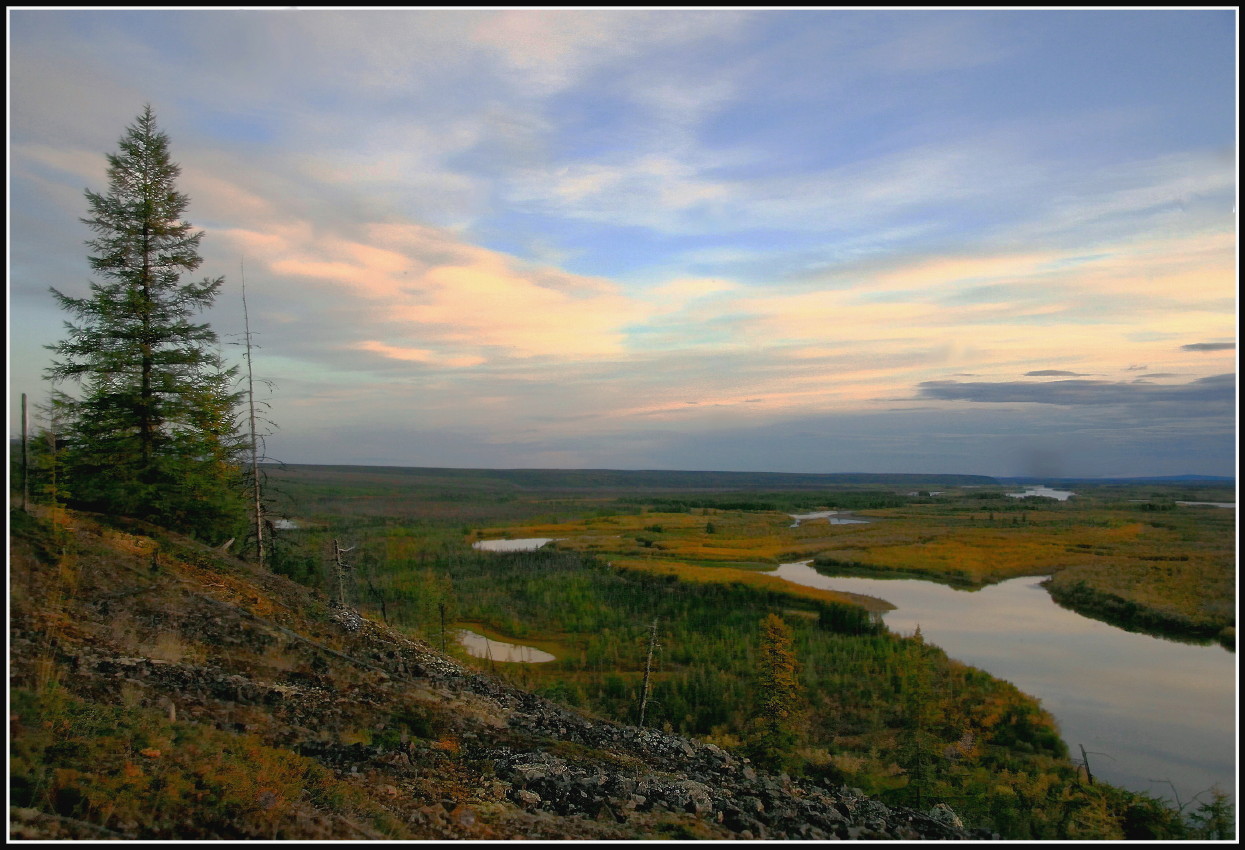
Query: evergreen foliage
x=153, y=432
x=774, y=726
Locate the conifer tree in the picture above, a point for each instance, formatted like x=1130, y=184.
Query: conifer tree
x=774, y=727
x=920, y=744
x=152, y=430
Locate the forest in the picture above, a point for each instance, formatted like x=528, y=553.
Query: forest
x=889, y=714
x=654, y=596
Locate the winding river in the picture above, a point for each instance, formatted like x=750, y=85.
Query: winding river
x=1154, y=715
x=1149, y=711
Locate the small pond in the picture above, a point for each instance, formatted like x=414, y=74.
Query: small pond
x=523, y=544
x=1061, y=495
x=831, y=516
x=497, y=650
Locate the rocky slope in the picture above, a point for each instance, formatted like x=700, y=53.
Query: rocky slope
x=162, y=689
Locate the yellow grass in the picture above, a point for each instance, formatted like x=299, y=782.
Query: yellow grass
x=764, y=537
x=982, y=554
x=726, y=575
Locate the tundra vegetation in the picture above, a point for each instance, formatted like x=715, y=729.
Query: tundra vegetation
x=858, y=705
x=801, y=679
x=891, y=715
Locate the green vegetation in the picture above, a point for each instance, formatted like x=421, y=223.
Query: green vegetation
x=153, y=433
x=796, y=678
x=890, y=715
x=118, y=766
x=851, y=703
x=773, y=728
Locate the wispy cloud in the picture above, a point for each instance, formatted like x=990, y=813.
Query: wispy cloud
x=1209, y=346
x=566, y=236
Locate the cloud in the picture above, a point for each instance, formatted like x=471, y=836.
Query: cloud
x=551, y=229
x=1214, y=390
x=945, y=43
x=418, y=355
x=553, y=49
x=1209, y=346
x=461, y=305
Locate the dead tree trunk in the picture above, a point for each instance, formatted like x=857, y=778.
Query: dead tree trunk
x=341, y=568
x=343, y=615
x=250, y=394
x=1085, y=761
x=441, y=609
x=25, y=461
x=648, y=670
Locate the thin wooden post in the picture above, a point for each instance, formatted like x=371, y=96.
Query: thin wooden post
x=1085, y=760
x=648, y=669
x=342, y=568
x=250, y=394
x=25, y=460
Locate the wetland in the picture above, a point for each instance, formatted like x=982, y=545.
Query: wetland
x=999, y=681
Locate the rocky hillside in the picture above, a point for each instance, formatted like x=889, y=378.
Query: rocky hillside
x=161, y=689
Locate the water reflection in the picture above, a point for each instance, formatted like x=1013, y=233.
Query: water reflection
x=1158, y=709
x=497, y=650
x=1042, y=490
x=524, y=544
x=831, y=516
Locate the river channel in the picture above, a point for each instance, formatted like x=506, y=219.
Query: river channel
x=1144, y=708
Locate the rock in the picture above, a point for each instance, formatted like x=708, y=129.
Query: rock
x=942, y=813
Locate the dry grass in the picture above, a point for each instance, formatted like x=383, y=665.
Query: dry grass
x=727, y=575
x=167, y=646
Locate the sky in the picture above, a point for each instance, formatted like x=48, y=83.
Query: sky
x=990, y=242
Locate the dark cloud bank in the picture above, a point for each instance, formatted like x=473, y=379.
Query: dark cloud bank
x=1217, y=389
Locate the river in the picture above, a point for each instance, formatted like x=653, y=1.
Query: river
x=1144, y=708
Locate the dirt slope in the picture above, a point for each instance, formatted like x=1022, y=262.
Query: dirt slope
x=161, y=689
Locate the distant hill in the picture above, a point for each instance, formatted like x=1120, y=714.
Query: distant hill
x=1145, y=479
x=621, y=480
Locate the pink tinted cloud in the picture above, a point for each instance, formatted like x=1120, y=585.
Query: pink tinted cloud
x=464, y=304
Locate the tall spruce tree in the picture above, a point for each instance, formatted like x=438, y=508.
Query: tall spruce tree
x=152, y=431
x=775, y=725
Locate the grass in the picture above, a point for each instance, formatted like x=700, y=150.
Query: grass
x=1174, y=564
x=727, y=575
x=128, y=768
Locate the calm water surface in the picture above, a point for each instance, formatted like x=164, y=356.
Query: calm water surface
x=1155, y=709
x=830, y=516
x=1043, y=490
x=498, y=650
x=523, y=544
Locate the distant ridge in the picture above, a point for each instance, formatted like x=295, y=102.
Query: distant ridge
x=648, y=479
x=1143, y=479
